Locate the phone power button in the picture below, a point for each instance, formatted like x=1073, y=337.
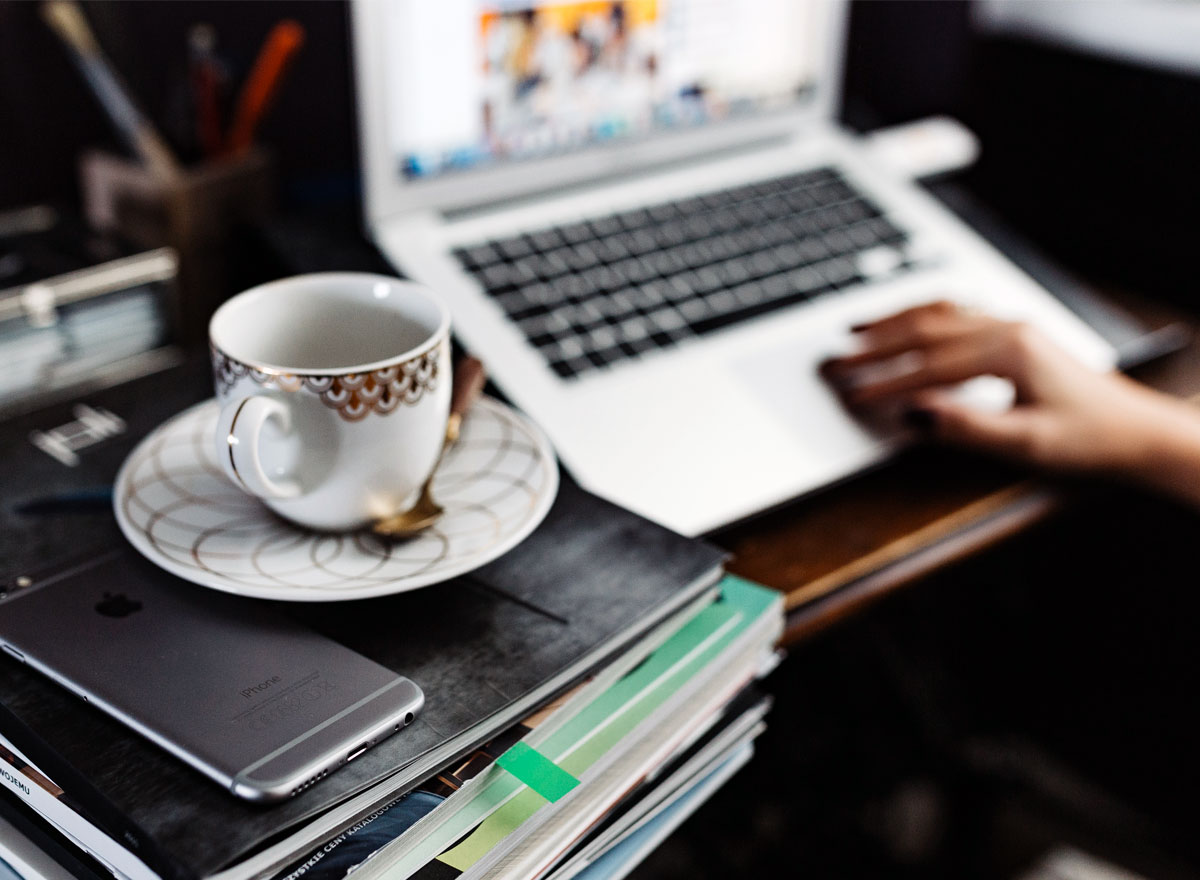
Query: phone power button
x=13, y=652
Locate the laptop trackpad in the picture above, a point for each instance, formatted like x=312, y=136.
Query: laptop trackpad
x=784, y=381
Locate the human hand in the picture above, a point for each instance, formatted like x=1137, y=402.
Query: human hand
x=1065, y=415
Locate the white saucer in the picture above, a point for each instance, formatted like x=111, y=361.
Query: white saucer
x=178, y=508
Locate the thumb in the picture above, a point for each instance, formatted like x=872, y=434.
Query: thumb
x=1009, y=433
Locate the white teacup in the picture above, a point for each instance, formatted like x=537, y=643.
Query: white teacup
x=334, y=392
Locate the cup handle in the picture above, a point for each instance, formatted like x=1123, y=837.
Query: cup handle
x=239, y=428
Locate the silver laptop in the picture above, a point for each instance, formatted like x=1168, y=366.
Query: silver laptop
x=648, y=224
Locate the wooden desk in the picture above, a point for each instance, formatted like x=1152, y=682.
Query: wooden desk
x=845, y=547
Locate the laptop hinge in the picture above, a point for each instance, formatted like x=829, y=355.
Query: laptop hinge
x=507, y=202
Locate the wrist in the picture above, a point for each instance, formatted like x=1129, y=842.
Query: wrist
x=1162, y=446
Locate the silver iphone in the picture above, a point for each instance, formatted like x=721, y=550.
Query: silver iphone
x=232, y=686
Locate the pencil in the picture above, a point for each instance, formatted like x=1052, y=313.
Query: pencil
x=263, y=83
x=67, y=20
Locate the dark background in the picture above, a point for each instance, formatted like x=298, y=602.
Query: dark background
x=1093, y=159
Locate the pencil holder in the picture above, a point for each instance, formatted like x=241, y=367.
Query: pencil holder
x=198, y=212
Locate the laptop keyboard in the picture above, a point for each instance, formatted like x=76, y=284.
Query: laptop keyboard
x=592, y=293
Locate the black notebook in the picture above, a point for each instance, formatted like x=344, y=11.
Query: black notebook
x=486, y=648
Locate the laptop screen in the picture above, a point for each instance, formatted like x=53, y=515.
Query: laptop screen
x=475, y=84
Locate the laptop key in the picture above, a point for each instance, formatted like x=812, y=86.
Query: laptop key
x=604, y=357
x=606, y=278
x=552, y=263
x=724, y=221
x=787, y=256
x=563, y=369
x=798, y=200
x=522, y=272
x=540, y=293
x=666, y=319
x=777, y=234
x=695, y=310
x=762, y=263
x=806, y=280
x=638, y=347
x=572, y=367
x=670, y=234
x=514, y=248
x=682, y=287
x=496, y=278
x=569, y=348
x=541, y=340
x=643, y=270
x=605, y=226
x=749, y=294
x=863, y=235
x=610, y=249
x=749, y=214
x=582, y=257
x=812, y=249
x=648, y=296
x=691, y=206
x=886, y=232
x=722, y=302
x=776, y=287
x=666, y=340
x=588, y=313
x=601, y=338
x=633, y=329
x=664, y=212
x=839, y=271
x=635, y=219
x=477, y=257
x=545, y=240
x=707, y=280
x=576, y=233
x=667, y=262
x=732, y=272
x=838, y=242
x=557, y=321
x=642, y=242
x=622, y=301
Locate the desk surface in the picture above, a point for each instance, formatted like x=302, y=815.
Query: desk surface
x=849, y=545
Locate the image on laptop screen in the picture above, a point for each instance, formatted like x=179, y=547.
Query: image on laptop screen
x=475, y=83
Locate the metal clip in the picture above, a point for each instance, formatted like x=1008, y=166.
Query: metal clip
x=40, y=304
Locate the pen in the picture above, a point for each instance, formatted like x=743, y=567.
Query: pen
x=67, y=20
x=263, y=82
x=91, y=500
x=205, y=82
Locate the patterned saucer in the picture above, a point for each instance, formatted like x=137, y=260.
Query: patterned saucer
x=178, y=508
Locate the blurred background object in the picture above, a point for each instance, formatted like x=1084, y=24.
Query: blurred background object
x=77, y=308
x=1088, y=112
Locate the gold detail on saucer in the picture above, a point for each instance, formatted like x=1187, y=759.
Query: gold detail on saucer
x=353, y=395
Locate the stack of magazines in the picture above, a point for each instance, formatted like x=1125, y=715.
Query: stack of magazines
x=588, y=785
x=584, y=693
x=585, y=786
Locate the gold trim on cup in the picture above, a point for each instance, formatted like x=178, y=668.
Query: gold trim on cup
x=352, y=395
x=230, y=440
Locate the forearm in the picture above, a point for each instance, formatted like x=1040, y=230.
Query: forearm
x=1165, y=452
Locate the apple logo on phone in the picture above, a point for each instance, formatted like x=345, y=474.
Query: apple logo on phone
x=119, y=605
